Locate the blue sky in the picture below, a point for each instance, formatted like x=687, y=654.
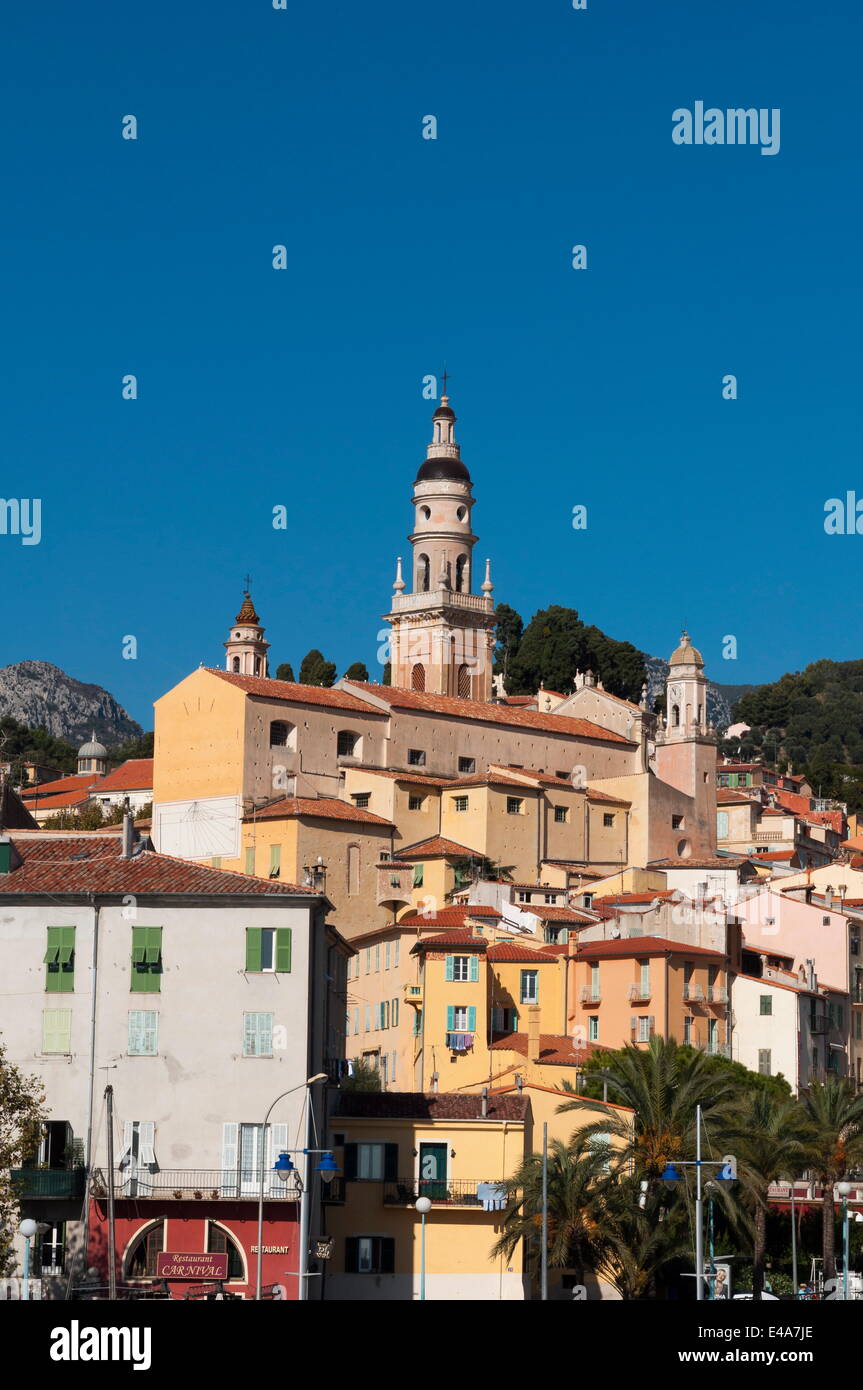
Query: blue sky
x=303, y=387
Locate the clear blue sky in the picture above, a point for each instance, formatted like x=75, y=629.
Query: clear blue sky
x=303, y=387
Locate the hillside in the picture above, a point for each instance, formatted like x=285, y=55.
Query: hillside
x=812, y=717
x=40, y=695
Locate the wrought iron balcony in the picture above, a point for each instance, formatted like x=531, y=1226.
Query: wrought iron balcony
x=33, y=1184
x=483, y=1194
x=197, y=1185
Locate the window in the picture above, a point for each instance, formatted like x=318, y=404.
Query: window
x=687, y=1029
x=416, y=757
x=529, y=986
x=353, y=870
x=220, y=1243
x=504, y=1020
x=677, y=822
x=523, y=897
x=394, y=1020
x=764, y=1061
x=418, y=677
x=467, y=764
x=235, y=664
x=514, y=805
x=268, y=949
x=141, y=1260
x=418, y=883
x=766, y=1002
x=608, y=819
x=249, y=866
x=346, y=743
x=644, y=978
x=368, y=1019
x=387, y=954
x=462, y=968
x=415, y=802
x=460, y=568
x=257, y=1035
x=146, y=960
x=361, y=799
x=549, y=898
x=561, y=815
x=593, y=1028
x=370, y=1255
x=594, y=982
x=423, y=573
x=461, y=1018
x=278, y=734
x=371, y=1162
x=396, y=945
x=377, y=959
x=825, y=921
x=143, y=1033
x=463, y=682
x=275, y=861
x=59, y=961
x=722, y=825
x=644, y=1028
x=51, y=1249
x=57, y=1031
x=460, y=803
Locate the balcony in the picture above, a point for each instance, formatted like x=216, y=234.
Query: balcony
x=694, y=994
x=394, y=886
x=639, y=993
x=413, y=994
x=483, y=1194
x=819, y=1023
x=34, y=1184
x=589, y=995
x=438, y=598
x=717, y=994
x=197, y=1185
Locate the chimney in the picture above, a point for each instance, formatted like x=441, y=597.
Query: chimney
x=484, y=1106
x=128, y=835
x=533, y=1033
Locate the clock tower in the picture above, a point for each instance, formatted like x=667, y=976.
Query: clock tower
x=685, y=755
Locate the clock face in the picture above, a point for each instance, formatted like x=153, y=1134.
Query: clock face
x=674, y=692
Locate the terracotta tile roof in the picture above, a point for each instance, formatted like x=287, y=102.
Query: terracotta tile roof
x=511, y=951
x=294, y=693
x=437, y=1105
x=835, y=819
x=51, y=803
x=792, y=801
x=603, y=796
x=545, y=779
x=436, y=845
x=462, y=939
x=450, y=916
x=487, y=713
x=641, y=946
x=322, y=807
x=134, y=774
x=776, y=854
x=91, y=864
x=65, y=784
x=551, y=912
x=726, y=796
x=414, y=778
x=855, y=842
x=555, y=1050
x=632, y=899
x=517, y=700
x=719, y=861
x=491, y=779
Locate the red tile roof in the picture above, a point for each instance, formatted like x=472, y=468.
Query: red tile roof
x=492, y=779
x=641, y=946
x=294, y=693
x=511, y=951
x=449, y=916
x=550, y=912
x=414, y=778
x=436, y=1105
x=91, y=864
x=135, y=774
x=555, y=1050
x=65, y=784
x=725, y=796
x=69, y=799
x=462, y=939
x=487, y=713
x=633, y=899
x=436, y=845
x=321, y=807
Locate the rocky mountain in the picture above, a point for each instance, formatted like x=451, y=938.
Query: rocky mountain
x=721, y=699
x=42, y=696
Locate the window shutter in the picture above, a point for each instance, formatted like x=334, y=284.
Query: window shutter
x=230, y=1141
x=651, y=1026
x=474, y=968
x=53, y=946
x=471, y=1019
x=277, y=1141
x=388, y=1255
x=395, y=1013
x=450, y=1018
x=139, y=945
x=253, y=948
x=350, y=1162
x=352, y=1254
x=136, y=1032
x=391, y=1162
x=283, y=950
x=497, y=1020
x=396, y=953
x=67, y=944
x=126, y=1154
x=450, y=968
x=418, y=878
x=57, y=1030
x=633, y=1023
x=154, y=945
x=146, y=1148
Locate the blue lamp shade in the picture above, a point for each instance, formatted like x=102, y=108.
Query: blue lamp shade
x=327, y=1167
x=283, y=1166
x=670, y=1175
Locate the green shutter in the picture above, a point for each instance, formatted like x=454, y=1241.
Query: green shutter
x=418, y=875
x=53, y=949
x=146, y=960
x=60, y=961
x=250, y=860
x=139, y=945
x=253, y=949
x=283, y=949
x=57, y=1030
x=471, y=1019
x=391, y=1162
x=154, y=945
x=474, y=967
x=350, y=1162
x=450, y=967
x=450, y=1018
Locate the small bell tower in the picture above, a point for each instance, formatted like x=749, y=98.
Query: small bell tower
x=246, y=650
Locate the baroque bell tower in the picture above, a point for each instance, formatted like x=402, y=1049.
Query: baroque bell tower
x=442, y=637
x=246, y=650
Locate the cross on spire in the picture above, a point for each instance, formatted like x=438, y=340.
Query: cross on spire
x=445, y=379
x=248, y=583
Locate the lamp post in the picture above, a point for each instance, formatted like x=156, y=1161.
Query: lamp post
x=843, y=1188
x=671, y=1175
x=544, y=1265
x=320, y=1076
x=27, y=1229
x=423, y=1206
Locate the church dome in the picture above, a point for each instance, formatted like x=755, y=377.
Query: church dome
x=247, y=612
x=686, y=654
x=92, y=749
x=443, y=469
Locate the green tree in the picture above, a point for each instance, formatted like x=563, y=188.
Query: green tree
x=363, y=1078
x=639, y=1232
x=835, y=1145
x=556, y=644
x=285, y=672
x=22, y=1111
x=387, y=677
x=132, y=748
x=508, y=629
x=315, y=670
x=357, y=672
x=20, y=744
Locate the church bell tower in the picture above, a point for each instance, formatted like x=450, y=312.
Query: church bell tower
x=442, y=637
x=246, y=649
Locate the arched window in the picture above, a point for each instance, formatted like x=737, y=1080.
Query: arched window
x=464, y=681
x=140, y=1259
x=257, y=665
x=675, y=715
x=460, y=573
x=346, y=744
x=418, y=677
x=219, y=1242
x=235, y=664
x=423, y=568
x=353, y=870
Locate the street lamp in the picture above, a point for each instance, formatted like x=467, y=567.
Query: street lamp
x=671, y=1175
x=28, y=1229
x=423, y=1206
x=283, y=1175
x=844, y=1188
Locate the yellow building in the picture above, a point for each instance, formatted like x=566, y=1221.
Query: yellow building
x=452, y=1149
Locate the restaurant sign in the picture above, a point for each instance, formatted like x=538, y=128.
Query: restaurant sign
x=192, y=1266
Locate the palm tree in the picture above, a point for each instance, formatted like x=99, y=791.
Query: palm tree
x=663, y=1086
x=638, y=1233
x=835, y=1121
x=767, y=1135
x=574, y=1172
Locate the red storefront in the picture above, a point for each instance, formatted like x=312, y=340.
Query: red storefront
x=226, y=1230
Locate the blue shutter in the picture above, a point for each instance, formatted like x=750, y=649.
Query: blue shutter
x=474, y=968
x=450, y=1018
x=471, y=1019
x=450, y=968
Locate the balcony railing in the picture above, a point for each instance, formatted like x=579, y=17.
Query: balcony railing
x=198, y=1184
x=694, y=993
x=36, y=1183
x=717, y=994
x=484, y=1194
x=637, y=992
x=435, y=598
x=413, y=994
x=819, y=1023
x=590, y=995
